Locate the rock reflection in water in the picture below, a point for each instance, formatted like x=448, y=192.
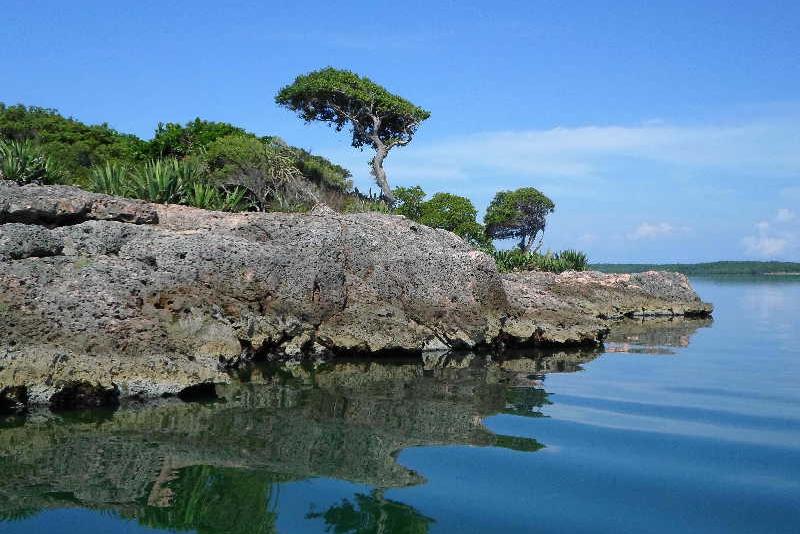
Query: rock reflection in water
x=216, y=466
x=200, y=465
x=661, y=335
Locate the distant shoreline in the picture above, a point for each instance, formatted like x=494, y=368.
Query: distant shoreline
x=726, y=268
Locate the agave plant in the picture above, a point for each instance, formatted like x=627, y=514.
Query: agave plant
x=23, y=163
x=519, y=260
x=209, y=197
x=110, y=178
x=158, y=181
x=201, y=195
x=574, y=260
x=234, y=200
x=189, y=171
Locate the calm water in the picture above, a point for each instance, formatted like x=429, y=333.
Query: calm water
x=685, y=427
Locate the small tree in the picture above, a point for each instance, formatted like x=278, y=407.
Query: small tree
x=409, y=201
x=456, y=214
x=520, y=214
x=378, y=118
x=443, y=210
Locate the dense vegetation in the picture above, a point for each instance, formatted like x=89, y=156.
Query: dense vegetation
x=219, y=166
x=699, y=269
x=73, y=147
x=205, y=164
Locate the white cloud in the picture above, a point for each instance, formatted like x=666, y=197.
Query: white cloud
x=651, y=231
x=767, y=148
x=770, y=241
x=764, y=245
x=785, y=215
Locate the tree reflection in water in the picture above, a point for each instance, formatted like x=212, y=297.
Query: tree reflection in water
x=367, y=514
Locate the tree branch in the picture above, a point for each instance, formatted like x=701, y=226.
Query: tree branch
x=408, y=130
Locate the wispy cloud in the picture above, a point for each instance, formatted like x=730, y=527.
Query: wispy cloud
x=648, y=184
x=785, y=215
x=648, y=230
x=767, y=148
x=773, y=238
x=764, y=245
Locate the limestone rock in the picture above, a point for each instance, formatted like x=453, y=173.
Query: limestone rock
x=108, y=294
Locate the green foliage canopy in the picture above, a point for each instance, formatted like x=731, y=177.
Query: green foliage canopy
x=341, y=97
x=372, y=513
x=207, y=500
x=321, y=171
x=519, y=214
x=456, y=214
x=178, y=141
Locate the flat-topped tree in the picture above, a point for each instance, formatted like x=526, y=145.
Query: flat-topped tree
x=379, y=119
x=519, y=214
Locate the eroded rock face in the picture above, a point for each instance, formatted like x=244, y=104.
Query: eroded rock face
x=146, y=300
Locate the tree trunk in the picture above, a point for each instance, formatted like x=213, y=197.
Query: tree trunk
x=525, y=244
x=380, y=175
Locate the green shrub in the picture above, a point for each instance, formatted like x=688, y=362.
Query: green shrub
x=209, y=197
x=575, y=260
x=173, y=140
x=409, y=201
x=110, y=178
x=519, y=260
x=266, y=171
x=447, y=211
x=189, y=170
x=234, y=200
x=24, y=163
x=322, y=172
x=158, y=181
x=202, y=195
x=357, y=204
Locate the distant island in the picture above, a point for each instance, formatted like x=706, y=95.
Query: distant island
x=758, y=268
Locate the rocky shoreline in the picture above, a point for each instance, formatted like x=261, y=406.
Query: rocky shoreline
x=103, y=298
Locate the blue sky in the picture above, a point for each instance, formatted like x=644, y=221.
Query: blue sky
x=664, y=131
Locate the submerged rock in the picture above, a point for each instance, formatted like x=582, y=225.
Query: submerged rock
x=144, y=300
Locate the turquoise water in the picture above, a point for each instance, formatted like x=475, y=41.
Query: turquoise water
x=685, y=427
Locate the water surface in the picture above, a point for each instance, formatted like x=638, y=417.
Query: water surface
x=675, y=426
